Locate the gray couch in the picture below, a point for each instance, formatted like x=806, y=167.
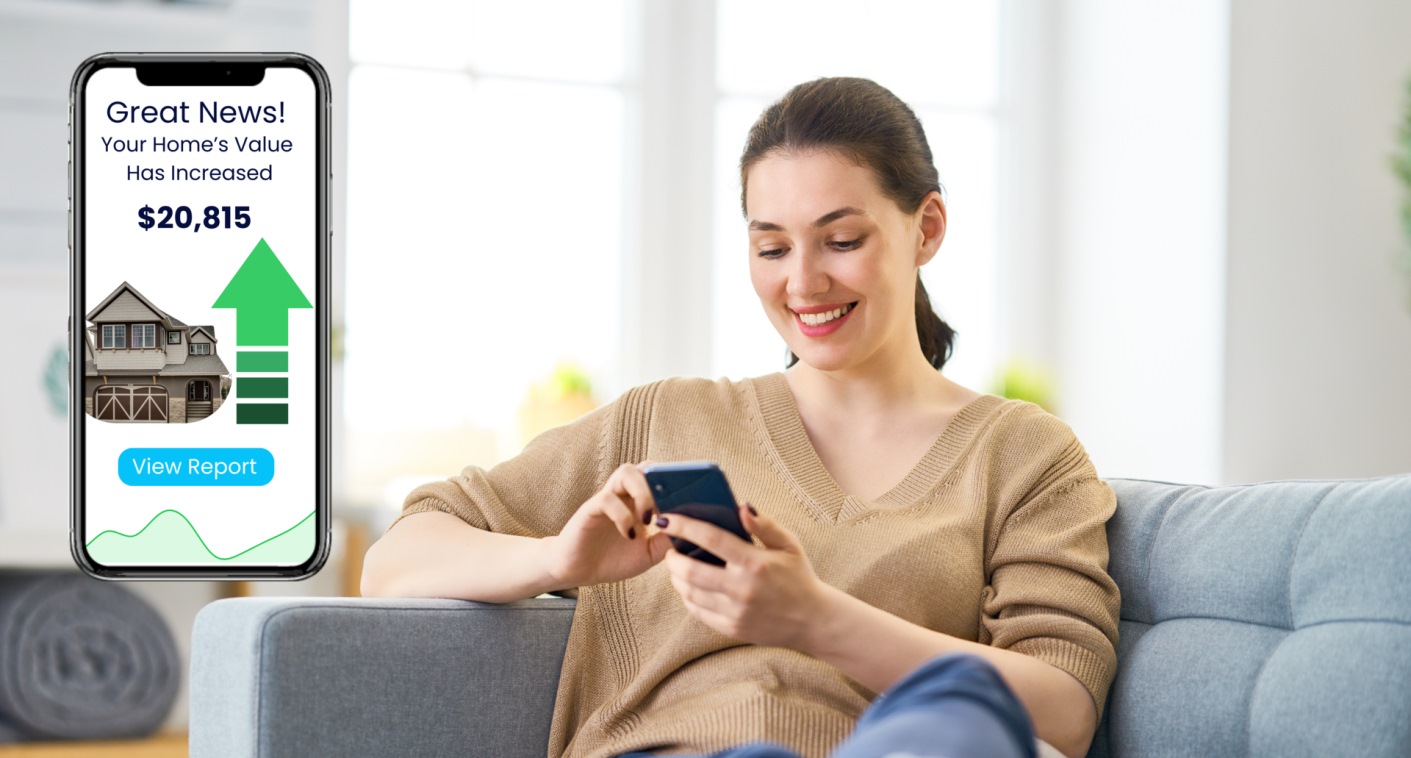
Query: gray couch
x=1265, y=620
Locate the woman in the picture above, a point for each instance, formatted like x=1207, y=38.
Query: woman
x=913, y=537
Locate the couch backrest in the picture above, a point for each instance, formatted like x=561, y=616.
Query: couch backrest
x=1271, y=619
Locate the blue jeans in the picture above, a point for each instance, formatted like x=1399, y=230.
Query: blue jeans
x=952, y=706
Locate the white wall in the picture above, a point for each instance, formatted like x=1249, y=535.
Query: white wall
x=1227, y=307
x=1318, y=344
x=1138, y=224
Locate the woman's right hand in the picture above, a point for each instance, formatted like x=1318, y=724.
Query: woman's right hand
x=610, y=537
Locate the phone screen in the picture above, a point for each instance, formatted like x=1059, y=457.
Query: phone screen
x=198, y=317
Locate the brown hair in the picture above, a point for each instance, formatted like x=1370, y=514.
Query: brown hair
x=864, y=121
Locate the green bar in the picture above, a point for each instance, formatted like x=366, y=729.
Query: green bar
x=261, y=413
x=273, y=386
x=262, y=360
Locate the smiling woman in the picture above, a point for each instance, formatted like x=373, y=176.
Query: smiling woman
x=944, y=62
x=886, y=166
x=912, y=537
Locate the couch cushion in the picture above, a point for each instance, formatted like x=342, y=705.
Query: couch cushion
x=1266, y=619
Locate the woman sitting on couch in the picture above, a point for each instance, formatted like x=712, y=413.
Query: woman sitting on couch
x=913, y=537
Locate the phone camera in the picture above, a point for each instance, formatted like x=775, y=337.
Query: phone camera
x=659, y=488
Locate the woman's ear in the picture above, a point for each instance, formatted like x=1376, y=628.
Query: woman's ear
x=932, y=218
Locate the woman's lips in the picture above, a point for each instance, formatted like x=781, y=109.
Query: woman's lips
x=835, y=317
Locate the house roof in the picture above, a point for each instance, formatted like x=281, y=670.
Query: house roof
x=196, y=364
x=167, y=320
x=207, y=328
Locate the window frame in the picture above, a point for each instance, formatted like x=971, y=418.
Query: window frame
x=112, y=334
x=671, y=96
x=143, y=330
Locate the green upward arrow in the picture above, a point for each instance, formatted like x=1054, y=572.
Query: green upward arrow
x=262, y=292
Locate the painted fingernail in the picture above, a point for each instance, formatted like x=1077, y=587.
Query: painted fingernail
x=632, y=533
x=753, y=512
x=662, y=522
x=647, y=517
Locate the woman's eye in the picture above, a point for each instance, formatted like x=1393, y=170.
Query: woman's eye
x=847, y=244
x=772, y=252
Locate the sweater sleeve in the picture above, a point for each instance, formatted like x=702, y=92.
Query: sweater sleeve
x=1048, y=593
x=535, y=493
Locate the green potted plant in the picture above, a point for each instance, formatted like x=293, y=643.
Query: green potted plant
x=1022, y=379
x=555, y=401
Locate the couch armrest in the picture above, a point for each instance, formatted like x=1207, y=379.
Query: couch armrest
x=277, y=676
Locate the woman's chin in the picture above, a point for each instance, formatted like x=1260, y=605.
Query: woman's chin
x=823, y=360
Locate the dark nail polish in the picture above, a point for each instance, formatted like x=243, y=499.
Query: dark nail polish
x=662, y=522
x=647, y=517
x=753, y=512
x=632, y=533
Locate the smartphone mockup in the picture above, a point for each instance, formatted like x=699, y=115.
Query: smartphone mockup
x=199, y=316
x=697, y=489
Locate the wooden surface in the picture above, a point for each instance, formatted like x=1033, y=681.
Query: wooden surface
x=356, y=541
x=162, y=745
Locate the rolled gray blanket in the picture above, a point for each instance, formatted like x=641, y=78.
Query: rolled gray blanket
x=81, y=658
x=8, y=733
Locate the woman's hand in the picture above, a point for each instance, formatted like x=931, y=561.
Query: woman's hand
x=767, y=596
x=606, y=540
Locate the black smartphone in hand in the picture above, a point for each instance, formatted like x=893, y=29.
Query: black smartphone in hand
x=697, y=489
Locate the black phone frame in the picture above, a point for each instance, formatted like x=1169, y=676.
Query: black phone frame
x=199, y=69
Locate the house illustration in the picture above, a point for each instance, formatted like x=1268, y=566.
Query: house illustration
x=144, y=365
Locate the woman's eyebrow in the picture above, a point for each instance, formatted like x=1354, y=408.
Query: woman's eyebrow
x=824, y=220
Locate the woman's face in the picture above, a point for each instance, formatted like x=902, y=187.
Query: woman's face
x=833, y=260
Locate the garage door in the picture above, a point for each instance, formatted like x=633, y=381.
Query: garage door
x=115, y=402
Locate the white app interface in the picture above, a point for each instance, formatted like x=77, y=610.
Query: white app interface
x=199, y=282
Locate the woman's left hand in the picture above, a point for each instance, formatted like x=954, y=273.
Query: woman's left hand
x=767, y=596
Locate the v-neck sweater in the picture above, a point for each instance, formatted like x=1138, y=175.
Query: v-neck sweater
x=997, y=535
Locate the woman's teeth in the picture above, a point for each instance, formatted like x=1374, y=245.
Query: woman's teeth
x=814, y=319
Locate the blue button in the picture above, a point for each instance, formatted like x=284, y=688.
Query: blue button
x=195, y=466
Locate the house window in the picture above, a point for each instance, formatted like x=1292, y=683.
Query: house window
x=200, y=348
x=144, y=335
x=173, y=338
x=114, y=336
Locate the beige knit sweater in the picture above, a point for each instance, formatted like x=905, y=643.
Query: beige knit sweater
x=997, y=536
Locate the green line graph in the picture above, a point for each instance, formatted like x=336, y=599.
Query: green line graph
x=170, y=538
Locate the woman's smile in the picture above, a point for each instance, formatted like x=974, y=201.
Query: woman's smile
x=821, y=320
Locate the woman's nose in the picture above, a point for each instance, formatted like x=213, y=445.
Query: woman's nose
x=806, y=275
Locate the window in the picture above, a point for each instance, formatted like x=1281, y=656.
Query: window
x=200, y=348
x=173, y=338
x=144, y=335
x=496, y=215
x=556, y=172
x=114, y=336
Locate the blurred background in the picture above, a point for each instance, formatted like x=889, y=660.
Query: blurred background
x=1176, y=224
